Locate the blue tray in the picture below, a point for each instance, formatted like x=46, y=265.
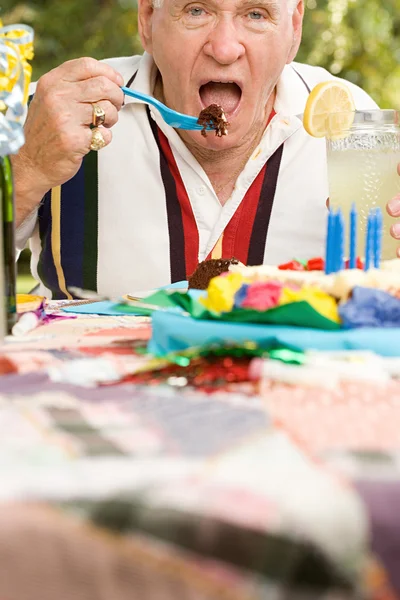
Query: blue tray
x=173, y=332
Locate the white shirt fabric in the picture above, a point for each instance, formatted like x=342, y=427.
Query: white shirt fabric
x=133, y=238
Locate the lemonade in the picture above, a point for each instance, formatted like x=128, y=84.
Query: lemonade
x=363, y=151
x=366, y=178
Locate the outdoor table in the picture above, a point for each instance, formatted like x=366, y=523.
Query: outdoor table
x=112, y=490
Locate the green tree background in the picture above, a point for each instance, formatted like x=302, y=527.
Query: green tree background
x=355, y=39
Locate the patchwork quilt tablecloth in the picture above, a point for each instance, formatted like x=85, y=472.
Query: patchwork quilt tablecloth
x=112, y=490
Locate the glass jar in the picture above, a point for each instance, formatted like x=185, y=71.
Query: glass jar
x=363, y=151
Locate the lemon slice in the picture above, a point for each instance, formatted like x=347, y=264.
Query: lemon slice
x=326, y=98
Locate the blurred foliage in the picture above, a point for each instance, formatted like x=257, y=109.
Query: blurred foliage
x=358, y=40
x=355, y=39
x=66, y=29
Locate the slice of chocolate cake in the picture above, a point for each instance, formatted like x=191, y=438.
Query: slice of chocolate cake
x=208, y=269
x=213, y=116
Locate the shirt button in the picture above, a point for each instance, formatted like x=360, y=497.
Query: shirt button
x=201, y=191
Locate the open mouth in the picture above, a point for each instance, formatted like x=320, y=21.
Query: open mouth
x=226, y=94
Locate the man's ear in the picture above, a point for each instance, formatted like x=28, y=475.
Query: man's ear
x=297, y=23
x=145, y=15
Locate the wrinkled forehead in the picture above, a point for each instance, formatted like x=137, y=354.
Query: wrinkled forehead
x=275, y=5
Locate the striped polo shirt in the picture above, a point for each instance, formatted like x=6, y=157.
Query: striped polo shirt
x=142, y=213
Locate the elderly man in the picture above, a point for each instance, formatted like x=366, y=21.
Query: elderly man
x=154, y=201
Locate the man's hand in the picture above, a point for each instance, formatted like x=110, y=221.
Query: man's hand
x=57, y=129
x=393, y=208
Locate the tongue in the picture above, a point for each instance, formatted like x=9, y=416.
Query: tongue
x=226, y=95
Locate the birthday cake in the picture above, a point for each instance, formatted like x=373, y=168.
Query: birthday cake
x=325, y=303
x=335, y=292
x=350, y=298
x=213, y=116
x=207, y=270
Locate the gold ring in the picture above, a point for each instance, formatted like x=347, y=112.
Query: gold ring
x=99, y=116
x=98, y=141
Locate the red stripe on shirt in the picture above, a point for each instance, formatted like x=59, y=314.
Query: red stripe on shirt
x=238, y=232
x=191, y=233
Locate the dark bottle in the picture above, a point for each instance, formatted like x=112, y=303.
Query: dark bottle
x=10, y=267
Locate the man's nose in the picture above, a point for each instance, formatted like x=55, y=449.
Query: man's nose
x=223, y=43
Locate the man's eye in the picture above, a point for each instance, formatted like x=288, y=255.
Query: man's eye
x=255, y=15
x=195, y=11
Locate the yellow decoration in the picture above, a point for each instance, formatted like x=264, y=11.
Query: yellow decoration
x=221, y=292
x=24, y=298
x=28, y=302
x=319, y=300
x=19, y=38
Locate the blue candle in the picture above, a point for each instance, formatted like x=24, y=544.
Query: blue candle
x=336, y=244
x=353, y=238
x=332, y=264
x=340, y=241
x=378, y=238
x=369, y=242
x=329, y=243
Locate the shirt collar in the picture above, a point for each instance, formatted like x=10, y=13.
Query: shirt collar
x=291, y=92
x=145, y=78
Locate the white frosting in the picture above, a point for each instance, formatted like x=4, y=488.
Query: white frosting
x=391, y=265
x=338, y=285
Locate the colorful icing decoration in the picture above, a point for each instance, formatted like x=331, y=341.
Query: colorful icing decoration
x=221, y=292
x=293, y=265
x=359, y=264
x=349, y=298
x=369, y=307
x=259, y=296
x=319, y=300
x=315, y=264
